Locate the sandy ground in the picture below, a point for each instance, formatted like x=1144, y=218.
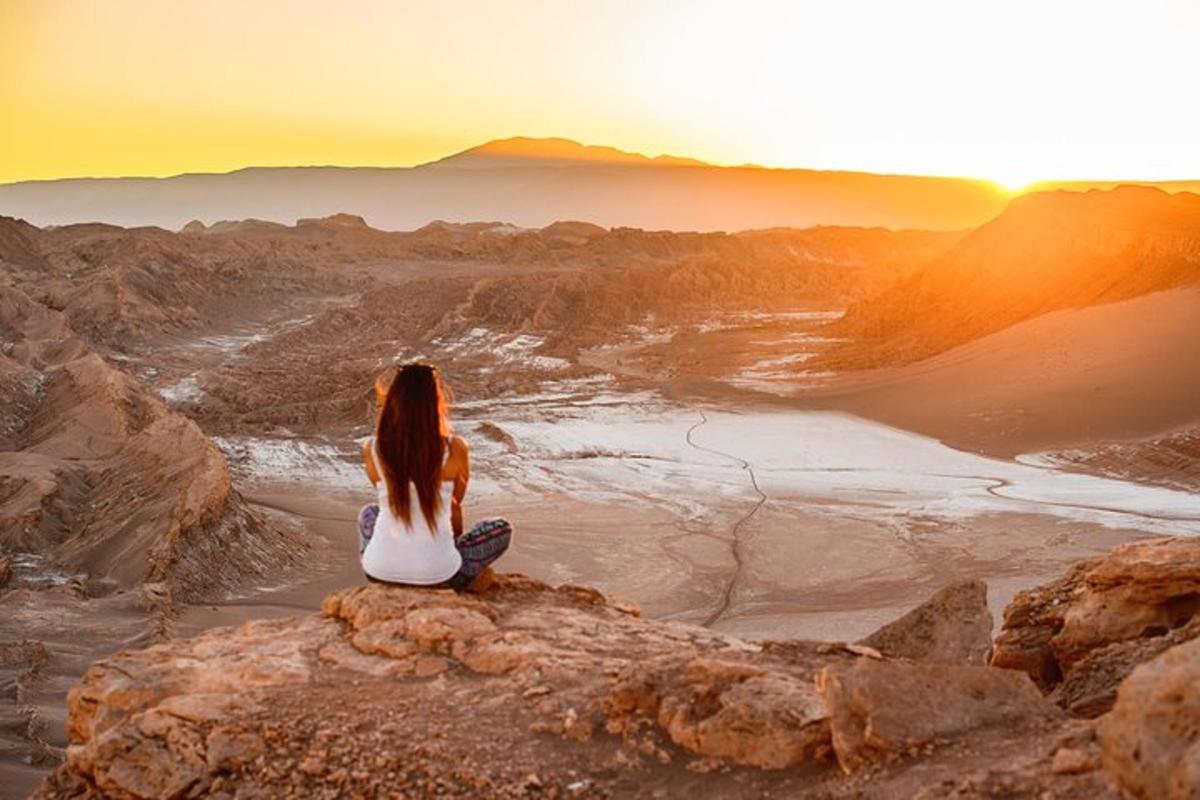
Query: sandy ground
x=47, y=640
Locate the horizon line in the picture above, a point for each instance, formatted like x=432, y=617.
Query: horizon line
x=652, y=161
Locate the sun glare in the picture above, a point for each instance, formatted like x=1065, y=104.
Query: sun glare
x=1014, y=183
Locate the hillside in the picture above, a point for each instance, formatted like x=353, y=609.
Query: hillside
x=1047, y=251
x=114, y=511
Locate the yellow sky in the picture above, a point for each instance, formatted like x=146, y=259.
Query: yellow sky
x=1012, y=91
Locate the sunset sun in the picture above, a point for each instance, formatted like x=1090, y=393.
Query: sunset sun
x=1014, y=181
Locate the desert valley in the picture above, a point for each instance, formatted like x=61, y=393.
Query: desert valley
x=765, y=439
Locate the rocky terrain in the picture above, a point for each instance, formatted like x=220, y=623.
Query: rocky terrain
x=101, y=478
x=125, y=350
x=337, y=293
x=176, y=452
x=532, y=691
x=113, y=510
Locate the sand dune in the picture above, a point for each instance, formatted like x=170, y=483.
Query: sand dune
x=1121, y=370
x=1047, y=251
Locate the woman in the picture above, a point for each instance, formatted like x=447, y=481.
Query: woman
x=414, y=535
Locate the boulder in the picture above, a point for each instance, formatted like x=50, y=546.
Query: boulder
x=725, y=709
x=174, y=718
x=5, y=570
x=952, y=627
x=879, y=710
x=1140, y=590
x=1151, y=739
x=1108, y=609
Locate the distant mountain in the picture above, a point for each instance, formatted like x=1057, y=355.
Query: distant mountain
x=1048, y=251
x=522, y=151
x=527, y=182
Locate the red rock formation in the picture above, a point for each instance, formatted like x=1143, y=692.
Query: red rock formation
x=880, y=710
x=395, y=689
x=1091, y=626
x=100, y=476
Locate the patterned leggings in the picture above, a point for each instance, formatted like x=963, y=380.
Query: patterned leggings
x=480, y=546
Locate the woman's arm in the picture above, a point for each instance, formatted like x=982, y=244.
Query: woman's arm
x=369, y=460
x=462, y=455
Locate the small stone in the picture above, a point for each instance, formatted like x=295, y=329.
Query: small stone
x=428, y=666
x=1073, y=761
x=864, y=650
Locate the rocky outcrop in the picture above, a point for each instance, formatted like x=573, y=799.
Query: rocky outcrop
x=748, y=713
x=5, y=570
x=531, y=690
x=86, y=440
x=1090, y=686
x=1083, y=633
x=879, y=709
x=952, y=627
x=119, y=509
x=1151, y=740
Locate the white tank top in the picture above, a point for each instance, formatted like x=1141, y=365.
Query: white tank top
x=414, y=553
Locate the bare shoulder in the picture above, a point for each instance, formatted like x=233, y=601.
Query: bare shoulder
x=458, y=460
x=459, y=449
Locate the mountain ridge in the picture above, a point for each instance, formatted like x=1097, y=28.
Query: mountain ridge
x=531, y=182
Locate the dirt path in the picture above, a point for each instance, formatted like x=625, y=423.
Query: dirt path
x=735, y=540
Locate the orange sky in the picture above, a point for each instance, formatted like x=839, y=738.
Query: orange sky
x=1011, y=91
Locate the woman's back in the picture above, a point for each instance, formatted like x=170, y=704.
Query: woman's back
x=417, y=552
x=415, y=534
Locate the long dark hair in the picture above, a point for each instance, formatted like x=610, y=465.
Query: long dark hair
x=410, y=438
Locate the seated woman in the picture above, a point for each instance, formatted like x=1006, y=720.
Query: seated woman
x=414, y=535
